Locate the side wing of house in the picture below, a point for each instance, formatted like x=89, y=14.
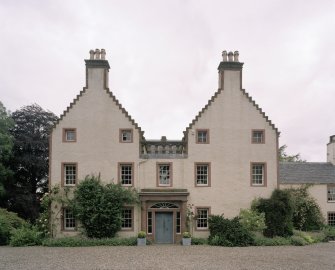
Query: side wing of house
x=321, y=177
x=94, y=136
x=232, y=149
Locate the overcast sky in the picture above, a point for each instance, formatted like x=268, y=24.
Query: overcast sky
x=164, y=57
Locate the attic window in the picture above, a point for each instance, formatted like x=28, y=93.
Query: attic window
x=202, y=136
x=126, y=135
x=258, y=136
x=69, y=135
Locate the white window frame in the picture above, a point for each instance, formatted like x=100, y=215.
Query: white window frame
x=121, y=175
x=256, y=175
x=68, y=218
x=128, y=218
x=331, y=193
x=201, y=218
x=199, y=174
x=70, y=176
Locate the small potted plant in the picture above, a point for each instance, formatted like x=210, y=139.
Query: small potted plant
x=186, y=239
x=141, y=238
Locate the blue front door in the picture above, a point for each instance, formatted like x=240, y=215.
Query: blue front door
x=164, y=227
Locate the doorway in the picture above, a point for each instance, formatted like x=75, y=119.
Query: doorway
x=164, y=227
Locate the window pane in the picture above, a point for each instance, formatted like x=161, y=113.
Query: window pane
x=202, y=220
x=331, y=218
x=202, y=136
x=126, y=135
x=331, y=193
x=178, y=221
x=126, y=174
x=202, y=174
x=258, y=174
x=70, y=174
x=164, y=174
x=69, y=220
x=70, y=135
x=258, y=136
x=149, y=222
x=127, y=218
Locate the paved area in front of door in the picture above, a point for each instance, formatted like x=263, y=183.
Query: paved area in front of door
x=319, y=256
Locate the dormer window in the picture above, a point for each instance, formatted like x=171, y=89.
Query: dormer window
x=69, y=135
x=258, y=136
x=202, y=136
x=126, y=135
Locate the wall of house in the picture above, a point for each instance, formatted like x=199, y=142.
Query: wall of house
x=230, y=120
x=319, y=193
x=97, y=150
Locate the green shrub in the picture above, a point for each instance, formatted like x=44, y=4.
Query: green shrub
x=298, y=241
x=141, y=234
x=252, y=220
x=85, y=242
x=8, y=222
x=26, y=236
x=307, y=215
x=98, y=207
x=199, y=241
x=278, y=211
x=306, y=236
x=329, y=232
x=186, y=235
x=260, y=240
x=226, y=232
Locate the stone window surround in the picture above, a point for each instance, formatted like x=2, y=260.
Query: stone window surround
x=63, y=182
x=158, y=174
x=264, y=176
x=207, y=136
x=64, y=137
x=132, y=218
x=208, y=174
x=121, y=130
x=208, y=208
x=252, y=136
x=120, y=171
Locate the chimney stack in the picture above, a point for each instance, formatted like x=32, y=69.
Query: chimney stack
x=331, y=150
x=230, y=70
x=97, y=69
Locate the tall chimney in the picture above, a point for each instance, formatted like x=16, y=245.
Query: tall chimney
x=97, y=69
x=230, y=70
x=331, y=150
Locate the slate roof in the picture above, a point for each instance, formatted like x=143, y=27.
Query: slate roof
x=306, y=173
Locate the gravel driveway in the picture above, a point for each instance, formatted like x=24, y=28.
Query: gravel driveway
x=320, y=256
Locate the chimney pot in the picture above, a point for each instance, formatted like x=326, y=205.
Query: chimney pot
x=224, y=56
x=97, y=54
x=230, y=56
x=91, y=54
x=103, y=54
x=236, y=54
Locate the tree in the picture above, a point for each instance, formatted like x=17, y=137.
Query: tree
x=307, y=214
x=29, y=161
x=283, y=156
x=98, y=207
x=6, y=145
x=278, y=211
